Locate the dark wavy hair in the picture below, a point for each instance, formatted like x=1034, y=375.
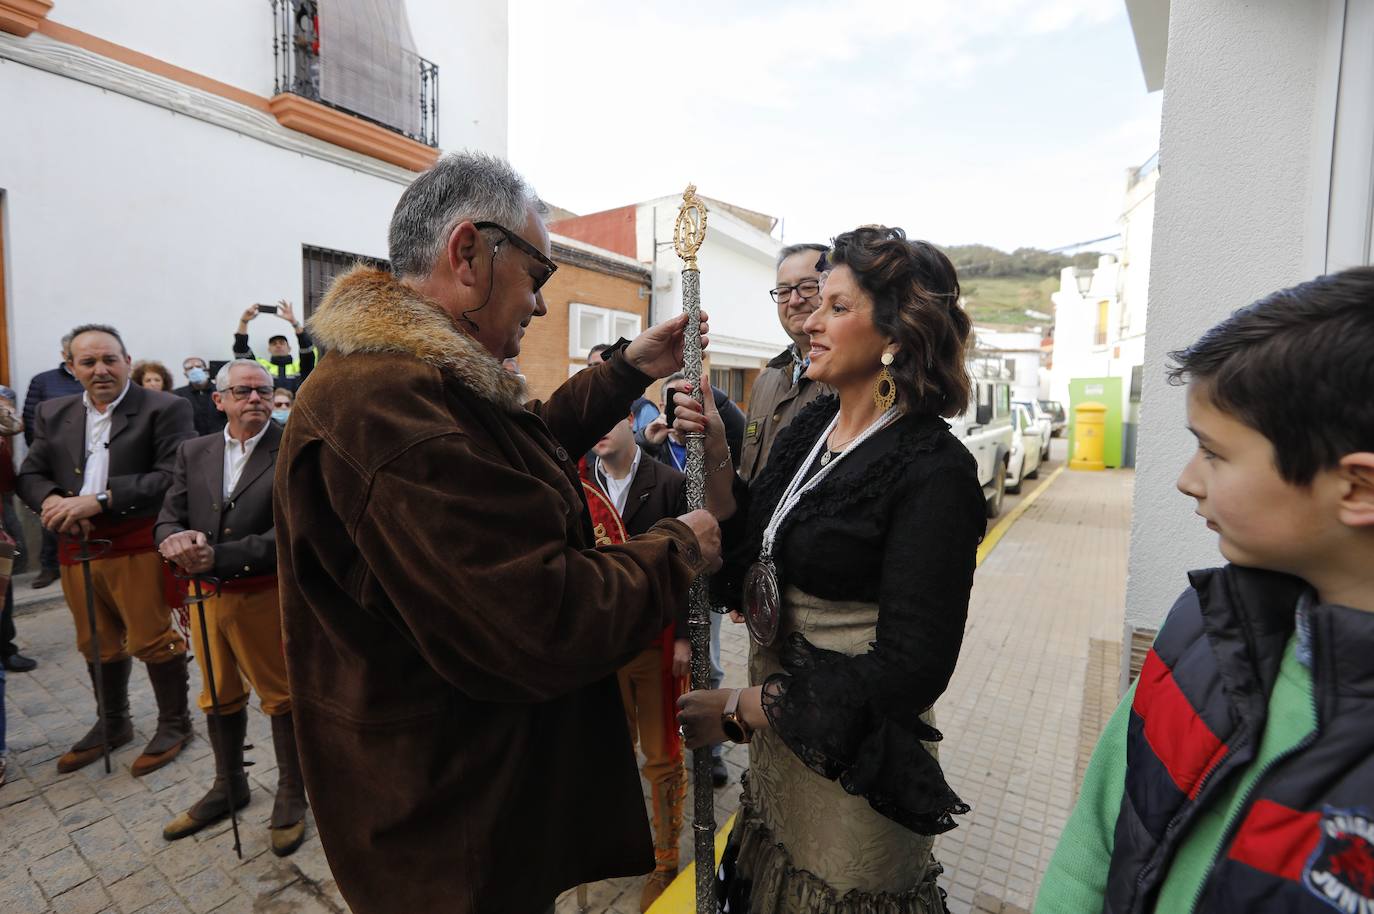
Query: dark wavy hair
x=915, y=292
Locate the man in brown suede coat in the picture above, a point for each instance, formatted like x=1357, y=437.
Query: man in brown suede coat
x=452, y=631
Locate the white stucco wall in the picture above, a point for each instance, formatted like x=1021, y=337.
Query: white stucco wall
x=231, y=41
x=122, y=209
x=1242, y=101
x=168, y=227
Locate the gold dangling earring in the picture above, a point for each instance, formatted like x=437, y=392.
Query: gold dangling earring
x=885, y=388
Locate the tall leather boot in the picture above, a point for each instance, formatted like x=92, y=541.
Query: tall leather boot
x=227, y=733
x=119, y=729
x=288, y=810
x=668, y=797
x=170, y=680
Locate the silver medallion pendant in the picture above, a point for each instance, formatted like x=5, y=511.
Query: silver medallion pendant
x=762, y=605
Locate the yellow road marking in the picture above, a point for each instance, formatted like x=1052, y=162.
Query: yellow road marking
x=681, y=896
x=996, y=533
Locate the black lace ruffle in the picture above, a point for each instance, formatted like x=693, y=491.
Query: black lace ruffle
x=825, y=717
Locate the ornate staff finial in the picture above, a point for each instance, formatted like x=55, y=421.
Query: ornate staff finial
x=690, y=229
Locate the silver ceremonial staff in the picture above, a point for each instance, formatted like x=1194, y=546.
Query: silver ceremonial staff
x=688, y=234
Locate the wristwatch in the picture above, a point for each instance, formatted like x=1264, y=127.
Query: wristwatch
x=732, y=722
x=103, y=499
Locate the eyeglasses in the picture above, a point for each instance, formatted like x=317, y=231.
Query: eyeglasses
x=805, y=289
x=525, y=246
x=243, y=392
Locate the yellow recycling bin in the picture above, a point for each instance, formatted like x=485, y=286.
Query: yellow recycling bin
x=1090, y=427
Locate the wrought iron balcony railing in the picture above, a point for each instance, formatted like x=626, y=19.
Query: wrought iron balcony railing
x=412, y=112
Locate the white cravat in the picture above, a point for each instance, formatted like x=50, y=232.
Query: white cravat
x=618, y=489
x=96, y=472
x=236, y=457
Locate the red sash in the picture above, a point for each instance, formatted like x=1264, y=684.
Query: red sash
x=127, y=537
x=609, y=529
x=182, y=587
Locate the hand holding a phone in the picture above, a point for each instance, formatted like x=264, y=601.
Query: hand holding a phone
x=249, y=313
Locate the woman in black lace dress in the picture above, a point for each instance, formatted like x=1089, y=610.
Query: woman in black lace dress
x=853, y=555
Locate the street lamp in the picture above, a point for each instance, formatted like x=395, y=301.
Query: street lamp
x=1085, y=282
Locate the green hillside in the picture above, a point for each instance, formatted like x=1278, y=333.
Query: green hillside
x=999, y=287
x=1005, y=299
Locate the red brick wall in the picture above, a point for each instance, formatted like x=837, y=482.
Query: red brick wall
x=544, y=358
x=613, y=230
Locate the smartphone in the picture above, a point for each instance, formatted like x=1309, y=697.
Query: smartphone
x=670, y=409
x=267, y=309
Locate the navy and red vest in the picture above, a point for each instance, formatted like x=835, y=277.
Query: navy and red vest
x=1304, y=839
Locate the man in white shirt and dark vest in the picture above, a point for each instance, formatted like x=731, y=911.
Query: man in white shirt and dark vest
x=217, y=522
x=97, y=470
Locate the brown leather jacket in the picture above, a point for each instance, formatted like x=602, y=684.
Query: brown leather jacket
x=452, y=634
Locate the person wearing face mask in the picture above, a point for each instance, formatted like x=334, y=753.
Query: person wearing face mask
x=281, y=405
x=217, y=520
x=200, y=394
x=286, y=370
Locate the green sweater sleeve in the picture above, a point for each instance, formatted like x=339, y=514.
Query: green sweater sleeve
x=1076, y=881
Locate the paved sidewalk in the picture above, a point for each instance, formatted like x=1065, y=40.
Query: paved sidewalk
x=1046, y=612
x=1047, y=600
x=88, y=842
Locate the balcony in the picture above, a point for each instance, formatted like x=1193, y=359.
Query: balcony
x=372, y=95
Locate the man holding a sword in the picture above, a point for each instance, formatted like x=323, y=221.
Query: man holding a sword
x=216, y=527
x=96, y=473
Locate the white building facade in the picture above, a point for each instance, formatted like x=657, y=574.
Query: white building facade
x=738, y=262
x=1017, y=356
x=159, y=173
x=1267, y=179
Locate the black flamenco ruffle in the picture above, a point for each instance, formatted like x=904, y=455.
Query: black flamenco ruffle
x=822, y=713
x=756, y=876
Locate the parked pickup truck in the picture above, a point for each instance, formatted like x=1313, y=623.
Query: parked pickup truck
x=986, y=430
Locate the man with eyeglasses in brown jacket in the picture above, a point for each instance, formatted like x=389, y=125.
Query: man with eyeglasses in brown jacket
x=782, y=389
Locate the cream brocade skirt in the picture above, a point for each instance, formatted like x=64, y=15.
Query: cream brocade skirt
x=805, y=844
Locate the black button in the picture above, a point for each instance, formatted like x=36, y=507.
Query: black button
x=561, y=454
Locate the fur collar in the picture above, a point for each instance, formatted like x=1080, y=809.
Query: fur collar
x=369, y=310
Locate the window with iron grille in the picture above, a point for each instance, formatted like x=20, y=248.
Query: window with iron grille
x=730, y=380
x=320, y=266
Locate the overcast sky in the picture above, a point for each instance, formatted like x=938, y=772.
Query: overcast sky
x=1006, y=122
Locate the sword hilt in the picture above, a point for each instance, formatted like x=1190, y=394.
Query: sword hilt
x=204, y=586
x=91, y=549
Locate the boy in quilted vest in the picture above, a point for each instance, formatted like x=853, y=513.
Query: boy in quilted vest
x=1238, y=773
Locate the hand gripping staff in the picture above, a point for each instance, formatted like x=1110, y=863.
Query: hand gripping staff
x=197, y=597
x=90, y=550
x=688, y=234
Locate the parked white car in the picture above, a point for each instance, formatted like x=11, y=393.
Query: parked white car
x=986, y=430
x=1027, y=448
x=1044, y=425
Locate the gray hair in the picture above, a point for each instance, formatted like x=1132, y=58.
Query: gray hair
x=460, y=187
x=800, y=249
x=67, y=344
x=222, y=376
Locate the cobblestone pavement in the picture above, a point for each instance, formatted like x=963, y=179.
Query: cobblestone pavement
x=88, y=842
